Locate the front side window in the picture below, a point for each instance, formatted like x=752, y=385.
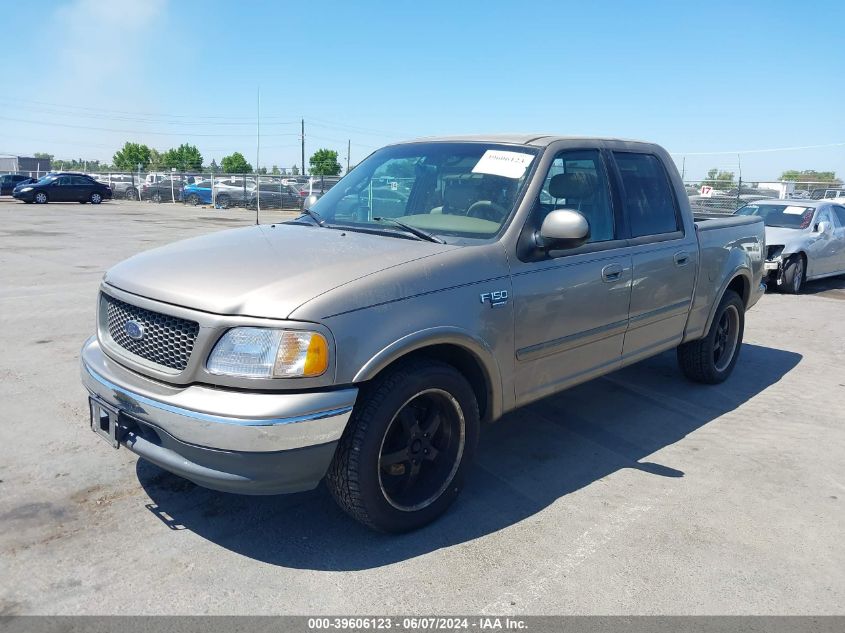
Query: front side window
x=647, y=194
x=64, y=181
x=577, y=181
x=840, y=215
x=445, y=188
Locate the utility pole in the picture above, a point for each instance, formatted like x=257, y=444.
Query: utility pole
x=257, y=157
x=348, y=151
x=303, y=146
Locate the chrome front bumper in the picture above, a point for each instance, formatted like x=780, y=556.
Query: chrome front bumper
x=219, y=418
x=235, y=441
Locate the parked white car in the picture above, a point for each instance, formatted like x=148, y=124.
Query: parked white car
x=805, y=240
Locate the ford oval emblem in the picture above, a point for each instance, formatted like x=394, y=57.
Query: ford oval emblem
x=134, y=330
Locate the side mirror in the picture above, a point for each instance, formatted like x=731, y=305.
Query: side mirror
x=823, y=228
x=563, y=228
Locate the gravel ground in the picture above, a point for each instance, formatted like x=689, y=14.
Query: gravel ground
x=638, y=493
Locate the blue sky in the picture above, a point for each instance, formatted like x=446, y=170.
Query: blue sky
x=696, y=77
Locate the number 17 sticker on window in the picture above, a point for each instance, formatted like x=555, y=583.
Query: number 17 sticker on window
x=502, y=163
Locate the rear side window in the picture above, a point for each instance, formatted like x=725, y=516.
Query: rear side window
x=647, y=194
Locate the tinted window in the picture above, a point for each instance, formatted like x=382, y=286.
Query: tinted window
x=840, y=214
x=647, y=194
x=64, y=181
x=577, y=180
x=80, y=180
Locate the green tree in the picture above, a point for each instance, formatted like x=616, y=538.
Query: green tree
x=43, y=155
x=275, y=170
x=261, y=170
x=294, y=171
x=718, y=179
x=236, y=164
x=155, y=159
x=810, y=175
x=185, y=157
x=132, y=154
x=324, y=163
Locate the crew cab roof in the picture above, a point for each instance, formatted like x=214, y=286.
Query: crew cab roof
x=536, y=140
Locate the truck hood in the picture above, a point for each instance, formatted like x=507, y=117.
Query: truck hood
x=262, y=271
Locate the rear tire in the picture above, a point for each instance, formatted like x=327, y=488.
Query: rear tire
x=157, y=197
x=403, y=456
x=223, y=201
x=710, y=360
x=793, y=275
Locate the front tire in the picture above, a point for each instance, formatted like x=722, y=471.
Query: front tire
x=710, y=360
x=223, y=201
x=403, y=456
x=193, y=199
x=793, y=275
x=40, y=198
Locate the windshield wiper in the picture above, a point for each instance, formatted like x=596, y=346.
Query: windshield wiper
x=314, y=216
x=428, y=237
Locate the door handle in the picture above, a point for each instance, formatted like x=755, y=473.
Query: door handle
x=611, y=272
x=681, y=258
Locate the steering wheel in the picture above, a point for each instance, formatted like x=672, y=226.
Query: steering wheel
x=487, y=210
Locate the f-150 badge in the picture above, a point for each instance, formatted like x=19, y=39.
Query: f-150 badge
x=495, y=298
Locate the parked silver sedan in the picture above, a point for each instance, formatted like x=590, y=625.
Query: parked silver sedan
x=805, y=240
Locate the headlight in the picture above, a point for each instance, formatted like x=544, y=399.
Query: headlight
x=256, y=352
x=26, y=189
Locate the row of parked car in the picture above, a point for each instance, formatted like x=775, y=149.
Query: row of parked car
x=231, y=191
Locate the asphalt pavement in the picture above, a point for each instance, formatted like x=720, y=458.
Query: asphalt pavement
x=637, y=493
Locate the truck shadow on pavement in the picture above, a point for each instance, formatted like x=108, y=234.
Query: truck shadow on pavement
x=527, y=461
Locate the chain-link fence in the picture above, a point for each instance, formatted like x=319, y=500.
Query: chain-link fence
x=725, y=197
x=265, y=191
x=291, y=192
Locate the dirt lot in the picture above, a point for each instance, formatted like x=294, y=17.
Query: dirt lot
x=636, y=493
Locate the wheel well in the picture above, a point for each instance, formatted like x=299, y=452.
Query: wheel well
x=740, y=286
x=465, y=362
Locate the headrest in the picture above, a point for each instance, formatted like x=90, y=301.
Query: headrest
x=458, y=195
x=575, y=185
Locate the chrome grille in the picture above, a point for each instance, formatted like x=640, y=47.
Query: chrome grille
x=167, y=340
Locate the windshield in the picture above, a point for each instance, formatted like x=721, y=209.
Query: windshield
x=781, y=215
x=47, y=180
x=458, y=189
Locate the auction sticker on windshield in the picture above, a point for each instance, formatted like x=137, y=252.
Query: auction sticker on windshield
x=501, y=163
x=791, y=210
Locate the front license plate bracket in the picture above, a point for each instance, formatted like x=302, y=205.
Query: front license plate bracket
x=104, y=421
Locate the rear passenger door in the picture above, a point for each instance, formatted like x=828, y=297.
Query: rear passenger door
x=664, y=254
x=82, y=188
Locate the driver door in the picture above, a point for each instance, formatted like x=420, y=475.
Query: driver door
x=823, y=247
x=61, y=190
x=571, y=306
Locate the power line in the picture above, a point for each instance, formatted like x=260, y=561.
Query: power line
x=758, y=151
x=248, y=119
x=137, y=132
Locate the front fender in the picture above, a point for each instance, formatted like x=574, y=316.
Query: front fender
x=441, y=335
